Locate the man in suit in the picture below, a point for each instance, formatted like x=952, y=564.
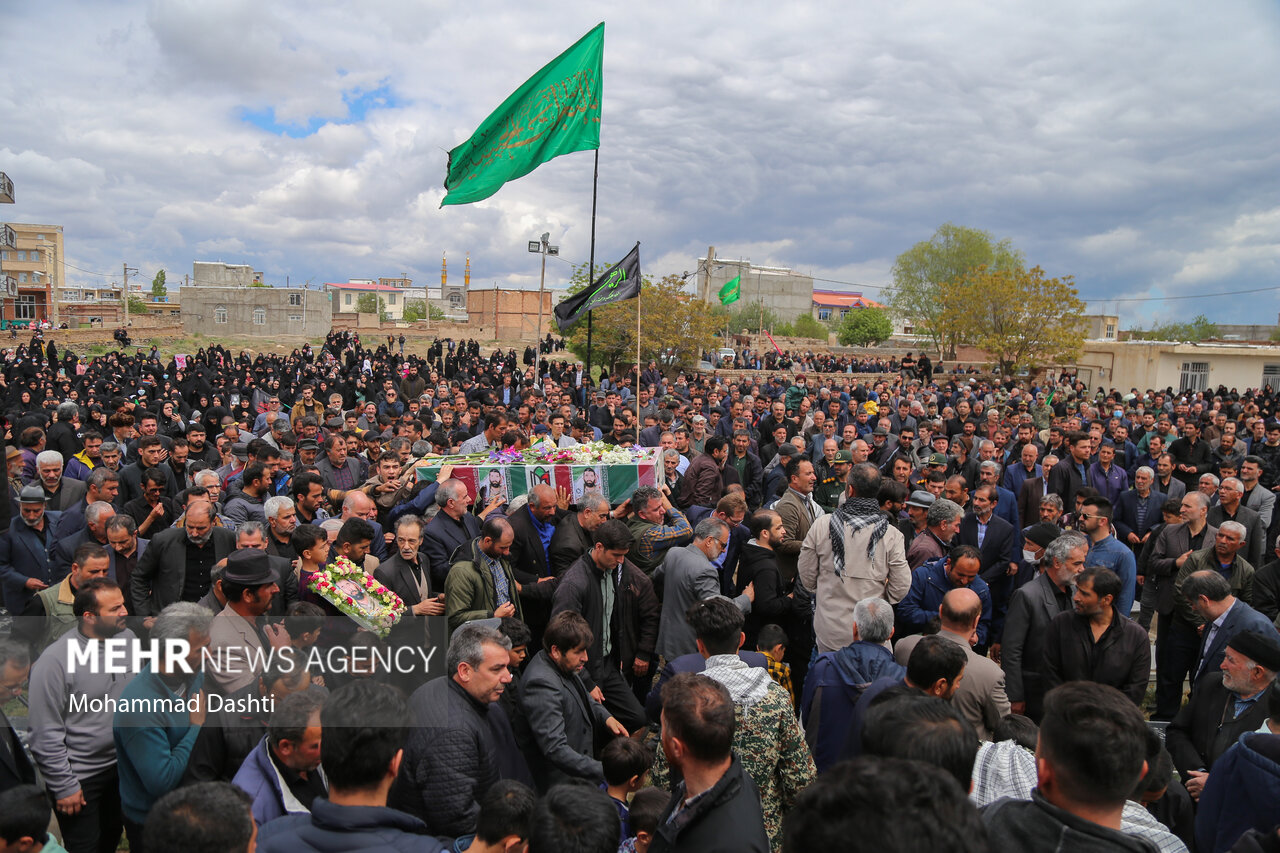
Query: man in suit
x=449, y=529
x=1226, y=705
x=407, y=574
x=236, y=643
x=103, y=485
x=1032, y=491
x=1069, y=475
x=1230, y=507
x=561, y=714
x=1031, y=608
x=995, y=540
x=534, y=525
x=572, y=538
x=798, y=511
x=176, y=566
x=1006, y=502
x=688, y=576
x=1178, y=642
x=1260, y=500
x=1138, y=509
x=61, y=492
x=1165, y=481
x=96, y=516
x=980, y=696
x=1027, y=468
x=16, y=767
x=1224, y=616
x=703, y=483
x=26, y=563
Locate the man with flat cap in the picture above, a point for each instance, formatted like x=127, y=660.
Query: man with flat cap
x=236, y=641
x=1225, y=705
x=26, y=549
x=917, y=516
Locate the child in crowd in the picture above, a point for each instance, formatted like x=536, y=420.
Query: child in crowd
x=772, y=643
x=646, y=810
x=626, y=763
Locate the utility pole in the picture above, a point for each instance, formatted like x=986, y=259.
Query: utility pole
x=125, y=296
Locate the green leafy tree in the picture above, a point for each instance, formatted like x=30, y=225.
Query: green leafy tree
x=675, y=327
x=138, y=305
x=1019, y=316
x=863, y=327
x=949, y=256
x=1198, y=329
x=414, y=310
x=367, y=303
x=745, y=318
x=808, y=326
x=158, y=290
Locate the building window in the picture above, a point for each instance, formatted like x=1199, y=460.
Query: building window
x=259, y=316
x=22, y=256
x=220, y=314
x=22, y=278
x=1195, y=376
x=295, y=318
x=4, y=255
x=295, y=298
x=391, y=299
x=347, y=300
x=844, y=312
x=25, y=307
x=455, y=298
x=1271, y=376
x=824, y=313
x=1111, y=331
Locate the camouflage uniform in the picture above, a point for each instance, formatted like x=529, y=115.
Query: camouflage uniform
x=826, y=492
x=768, y=741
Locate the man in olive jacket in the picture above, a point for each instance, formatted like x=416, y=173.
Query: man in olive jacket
x=482, y=585
x=618, y=602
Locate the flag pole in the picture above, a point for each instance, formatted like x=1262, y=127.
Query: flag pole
x=639, y=424
x=591, y=263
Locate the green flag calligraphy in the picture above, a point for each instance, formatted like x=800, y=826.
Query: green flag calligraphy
x=618, y=283
x=731, y=291
x=555, y=112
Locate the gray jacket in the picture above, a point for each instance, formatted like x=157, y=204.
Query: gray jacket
x=687, y=577
x=562, y=717
x=70, y=745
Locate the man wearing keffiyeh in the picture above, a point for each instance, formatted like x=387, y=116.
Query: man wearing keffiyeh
x=852, y=554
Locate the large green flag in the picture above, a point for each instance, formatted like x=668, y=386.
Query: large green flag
x=731, y=291
x=555, y=112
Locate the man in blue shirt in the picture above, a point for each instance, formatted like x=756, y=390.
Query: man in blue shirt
x=1106, y=550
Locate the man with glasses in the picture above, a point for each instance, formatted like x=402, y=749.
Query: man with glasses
x=688, y=576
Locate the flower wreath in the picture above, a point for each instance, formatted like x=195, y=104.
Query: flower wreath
x=389, y=606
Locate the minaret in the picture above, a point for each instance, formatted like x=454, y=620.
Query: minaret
x=444, y=272
x=466, y=276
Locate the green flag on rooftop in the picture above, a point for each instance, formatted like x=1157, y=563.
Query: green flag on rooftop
x=731, y=291
x=555, y=112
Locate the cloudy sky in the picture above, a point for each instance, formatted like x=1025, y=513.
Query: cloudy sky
x=1130, y=145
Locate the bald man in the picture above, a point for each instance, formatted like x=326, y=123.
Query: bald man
x=980, y=696
x=533, y=525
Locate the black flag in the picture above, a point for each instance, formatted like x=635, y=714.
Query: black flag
x=618, y=283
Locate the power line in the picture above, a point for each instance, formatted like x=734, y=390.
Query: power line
x=90, y=272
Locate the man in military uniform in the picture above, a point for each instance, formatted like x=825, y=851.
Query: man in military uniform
x=831, y=478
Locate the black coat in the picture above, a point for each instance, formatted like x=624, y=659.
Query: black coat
x=1064, y=481
x=457, y=750
x=16, y=767
x=157, y=582
x=725, y=818
x=1198, y=736
x=997, y=546
x=568, y=543
x=1121, y=658
x=636, y=611
x=772, y=605
x=528, y=558
x=441, y=537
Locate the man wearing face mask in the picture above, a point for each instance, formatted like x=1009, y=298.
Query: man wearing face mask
x=1030, y=609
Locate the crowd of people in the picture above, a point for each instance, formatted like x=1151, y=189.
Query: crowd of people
x=908, y=610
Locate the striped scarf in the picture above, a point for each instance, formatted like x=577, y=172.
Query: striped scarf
x=858, y=514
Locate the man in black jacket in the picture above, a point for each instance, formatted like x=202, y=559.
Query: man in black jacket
x=462, y=742
x=1224, y=706
x=176, y=565
x=716, y=806
x=572, y=538
x=449, y=529
x=1096, y=642
x=408, y=575
x=618, y=602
